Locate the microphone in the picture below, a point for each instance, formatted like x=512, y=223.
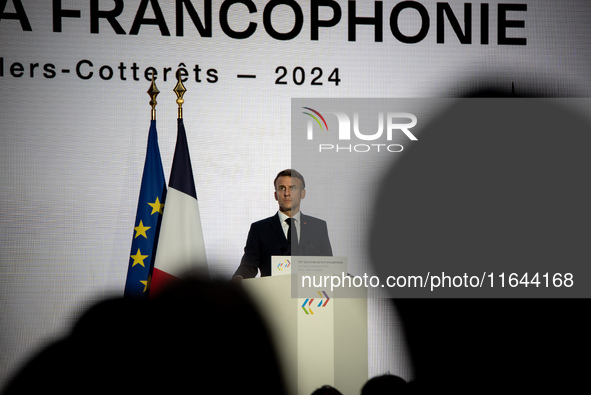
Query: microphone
x=320, y=254
x=309, y=244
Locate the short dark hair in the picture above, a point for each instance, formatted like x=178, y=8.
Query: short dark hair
x=290, y=173
x=386, y=384
x=326, y=390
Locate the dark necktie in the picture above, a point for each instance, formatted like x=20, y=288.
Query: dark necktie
x=292, y=234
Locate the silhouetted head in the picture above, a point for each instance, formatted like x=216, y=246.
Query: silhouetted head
x=495, y=185
x=387, y=384
x=196, y=336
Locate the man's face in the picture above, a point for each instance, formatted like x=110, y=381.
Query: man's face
x=289, y=193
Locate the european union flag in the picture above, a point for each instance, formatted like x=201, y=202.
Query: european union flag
x=147, y=221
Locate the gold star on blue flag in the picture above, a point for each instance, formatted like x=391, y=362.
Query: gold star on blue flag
x=147, y=221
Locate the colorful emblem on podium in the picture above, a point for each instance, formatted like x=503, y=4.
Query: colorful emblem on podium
x=307, y=305
x=283, y=265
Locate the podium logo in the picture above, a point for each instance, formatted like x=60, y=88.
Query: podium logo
x=389, y=126
x=309, y=303
x=283, y=265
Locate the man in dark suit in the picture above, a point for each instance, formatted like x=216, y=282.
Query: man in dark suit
x=288, y=232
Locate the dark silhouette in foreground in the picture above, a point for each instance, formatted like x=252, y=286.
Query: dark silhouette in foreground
x=182, y=341
x=326, y=390
x=387, y=384
x=495, y=190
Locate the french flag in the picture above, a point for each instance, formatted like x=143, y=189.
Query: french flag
x=181, y=248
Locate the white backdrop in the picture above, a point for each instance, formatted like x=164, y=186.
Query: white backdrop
x=72, y=146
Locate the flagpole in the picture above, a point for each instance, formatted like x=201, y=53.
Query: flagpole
x=181, y=248
x=180, y=90
x=153, y=92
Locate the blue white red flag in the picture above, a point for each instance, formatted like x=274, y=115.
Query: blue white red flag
x=181, y=248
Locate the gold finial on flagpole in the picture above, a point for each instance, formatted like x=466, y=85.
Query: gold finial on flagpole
x=180, y=90
x=153, y=92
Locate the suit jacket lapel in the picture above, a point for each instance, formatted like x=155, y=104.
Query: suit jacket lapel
x=303, y=227
x=304, y=232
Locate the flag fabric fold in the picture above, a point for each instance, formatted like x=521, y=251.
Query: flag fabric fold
x=147, y=221
x=181, y=248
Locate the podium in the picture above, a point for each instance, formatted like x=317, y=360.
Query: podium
x=320, y=341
